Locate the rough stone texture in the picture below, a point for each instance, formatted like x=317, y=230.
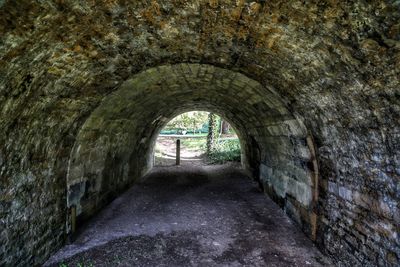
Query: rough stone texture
x=334, y=65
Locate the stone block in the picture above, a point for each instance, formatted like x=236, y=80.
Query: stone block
x=333, y=188
x=265, y=173
x=345, y=193
x=279, y=184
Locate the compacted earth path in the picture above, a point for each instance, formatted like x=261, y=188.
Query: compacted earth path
x=199, y=216
x=166, y=152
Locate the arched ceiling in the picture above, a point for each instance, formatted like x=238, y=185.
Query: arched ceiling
x=124, y=126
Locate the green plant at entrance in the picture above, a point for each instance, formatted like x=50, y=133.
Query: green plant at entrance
x=225, y=150
x=211, y=133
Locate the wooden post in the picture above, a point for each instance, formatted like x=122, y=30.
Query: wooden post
x=73, y=219
x=178, y=152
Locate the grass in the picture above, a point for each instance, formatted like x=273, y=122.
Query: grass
x=198, y=144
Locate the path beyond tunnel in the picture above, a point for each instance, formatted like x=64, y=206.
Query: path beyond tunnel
x=192, y=216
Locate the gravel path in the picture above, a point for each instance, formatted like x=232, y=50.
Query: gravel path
x=198, y=216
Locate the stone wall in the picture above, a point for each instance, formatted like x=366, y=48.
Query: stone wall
x=333, y=65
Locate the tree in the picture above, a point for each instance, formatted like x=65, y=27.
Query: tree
x=189, y=120
x=211, y=133
x=224, y=127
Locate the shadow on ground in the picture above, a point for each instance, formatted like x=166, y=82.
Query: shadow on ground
x=198, y=216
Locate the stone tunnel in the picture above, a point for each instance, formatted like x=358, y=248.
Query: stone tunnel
x=312, y=88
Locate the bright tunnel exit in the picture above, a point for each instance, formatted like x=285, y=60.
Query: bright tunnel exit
x=197, y=138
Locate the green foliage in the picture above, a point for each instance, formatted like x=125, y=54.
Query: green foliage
x=192, y=121
x=211, y=132
x=194, y=144
x=225, y=150
x=218, y=150
x=231, y=131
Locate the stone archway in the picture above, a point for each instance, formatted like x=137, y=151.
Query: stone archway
x=113, y=148
x=333, y=65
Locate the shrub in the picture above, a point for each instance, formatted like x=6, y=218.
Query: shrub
x=225, y=150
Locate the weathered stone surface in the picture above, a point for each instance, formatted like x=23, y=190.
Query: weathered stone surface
x=334, y=65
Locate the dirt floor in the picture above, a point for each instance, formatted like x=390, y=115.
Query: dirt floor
x=191, y=216
x=166, y=153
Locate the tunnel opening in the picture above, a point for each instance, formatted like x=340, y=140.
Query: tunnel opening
x=197, y=138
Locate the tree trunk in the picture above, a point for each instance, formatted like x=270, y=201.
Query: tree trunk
x=225, y=127
x=211, y=133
